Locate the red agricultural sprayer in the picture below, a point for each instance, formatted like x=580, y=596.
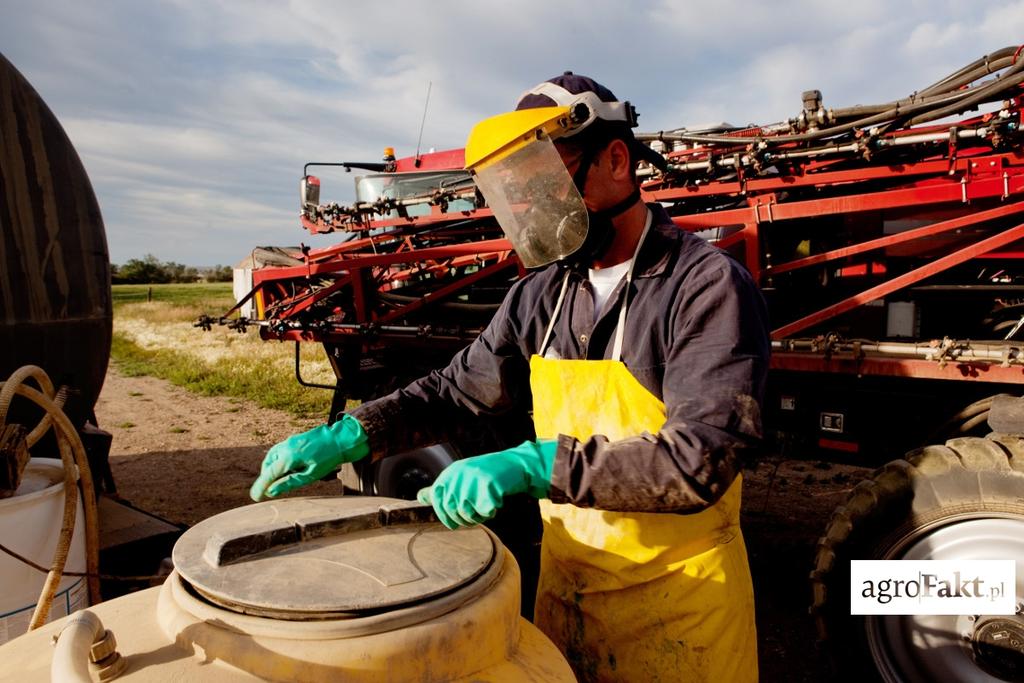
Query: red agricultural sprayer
x=889, y=242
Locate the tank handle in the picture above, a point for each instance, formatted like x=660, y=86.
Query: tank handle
x=234, y=546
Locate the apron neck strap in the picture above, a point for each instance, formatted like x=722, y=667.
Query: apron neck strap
x=554, y=314
x=621, y=326
x=617, y=347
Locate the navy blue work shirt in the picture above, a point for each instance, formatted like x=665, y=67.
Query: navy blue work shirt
x=696, y=336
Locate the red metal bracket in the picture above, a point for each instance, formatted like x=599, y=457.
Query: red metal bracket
x=986, y=245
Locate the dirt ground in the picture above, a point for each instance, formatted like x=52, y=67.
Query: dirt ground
x=185, y=457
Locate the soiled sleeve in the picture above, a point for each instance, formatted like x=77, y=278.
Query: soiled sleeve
x=488, y=378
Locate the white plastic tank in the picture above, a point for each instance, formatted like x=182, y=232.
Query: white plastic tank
x=30, y=524
x=354, y=589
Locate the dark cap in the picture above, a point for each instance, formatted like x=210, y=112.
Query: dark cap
x=571, y=82
x=576, y=85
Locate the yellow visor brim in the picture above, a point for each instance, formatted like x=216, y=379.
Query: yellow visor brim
x=498, y=136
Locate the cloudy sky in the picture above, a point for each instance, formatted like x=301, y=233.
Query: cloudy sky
x=194, y=117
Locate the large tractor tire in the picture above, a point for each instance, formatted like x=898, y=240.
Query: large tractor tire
x=960, y=501
x=403, y=475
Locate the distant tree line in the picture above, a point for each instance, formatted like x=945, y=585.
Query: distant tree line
x=151, y=270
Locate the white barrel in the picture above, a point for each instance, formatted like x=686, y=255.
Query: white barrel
x=30, y=524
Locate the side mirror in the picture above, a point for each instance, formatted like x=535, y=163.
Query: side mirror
x=309, y=193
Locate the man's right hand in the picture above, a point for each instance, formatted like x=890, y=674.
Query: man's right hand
x=307, y=457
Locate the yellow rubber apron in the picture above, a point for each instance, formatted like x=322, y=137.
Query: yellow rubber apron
x=637, y=597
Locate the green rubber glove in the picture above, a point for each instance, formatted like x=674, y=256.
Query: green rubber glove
x=470, y=491
x=307, y=457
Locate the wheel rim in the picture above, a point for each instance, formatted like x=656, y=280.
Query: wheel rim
x=912, y=648
x=404, y=474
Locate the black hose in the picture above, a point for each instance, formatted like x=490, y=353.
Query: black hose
x=986, y=61
x=982, y=95
x=938, y=98
x=886, y=116
x=96, y=575
x=920, y=108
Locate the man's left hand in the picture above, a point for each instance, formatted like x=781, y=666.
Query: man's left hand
x=470, y=491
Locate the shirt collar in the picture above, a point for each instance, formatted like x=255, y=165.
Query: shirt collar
x=653, y=257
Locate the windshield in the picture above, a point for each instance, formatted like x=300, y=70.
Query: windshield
x=415, y=185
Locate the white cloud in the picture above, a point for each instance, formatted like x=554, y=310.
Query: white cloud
x=1002, y=24
x=194, y=117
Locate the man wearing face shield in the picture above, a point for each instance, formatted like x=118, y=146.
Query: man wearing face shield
x=641, y=353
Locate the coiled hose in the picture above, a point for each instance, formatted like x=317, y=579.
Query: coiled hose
x=72, y=455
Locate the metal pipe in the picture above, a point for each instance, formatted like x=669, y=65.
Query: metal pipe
x=374, y=207
x=936, y=350
x=373, y=166
x=965, y=134
x=298, y=375
x=818, y=151
x=894, y=141
x=278, y=327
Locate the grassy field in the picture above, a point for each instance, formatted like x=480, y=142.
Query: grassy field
x=198, y=295
x=153, y=335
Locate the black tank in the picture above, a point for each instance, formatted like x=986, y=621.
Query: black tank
x=55, y=304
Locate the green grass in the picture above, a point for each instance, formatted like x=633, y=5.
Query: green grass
x=248, y=369
x=198, y=294
x=269, y=385
x=173, y=302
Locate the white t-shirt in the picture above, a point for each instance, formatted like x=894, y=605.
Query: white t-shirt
x=604, y=282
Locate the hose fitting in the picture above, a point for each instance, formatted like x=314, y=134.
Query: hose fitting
x=82, y=641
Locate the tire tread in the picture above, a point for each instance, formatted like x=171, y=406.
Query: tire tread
x=963, y=472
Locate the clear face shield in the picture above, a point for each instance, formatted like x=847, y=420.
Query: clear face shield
x=536, y=203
